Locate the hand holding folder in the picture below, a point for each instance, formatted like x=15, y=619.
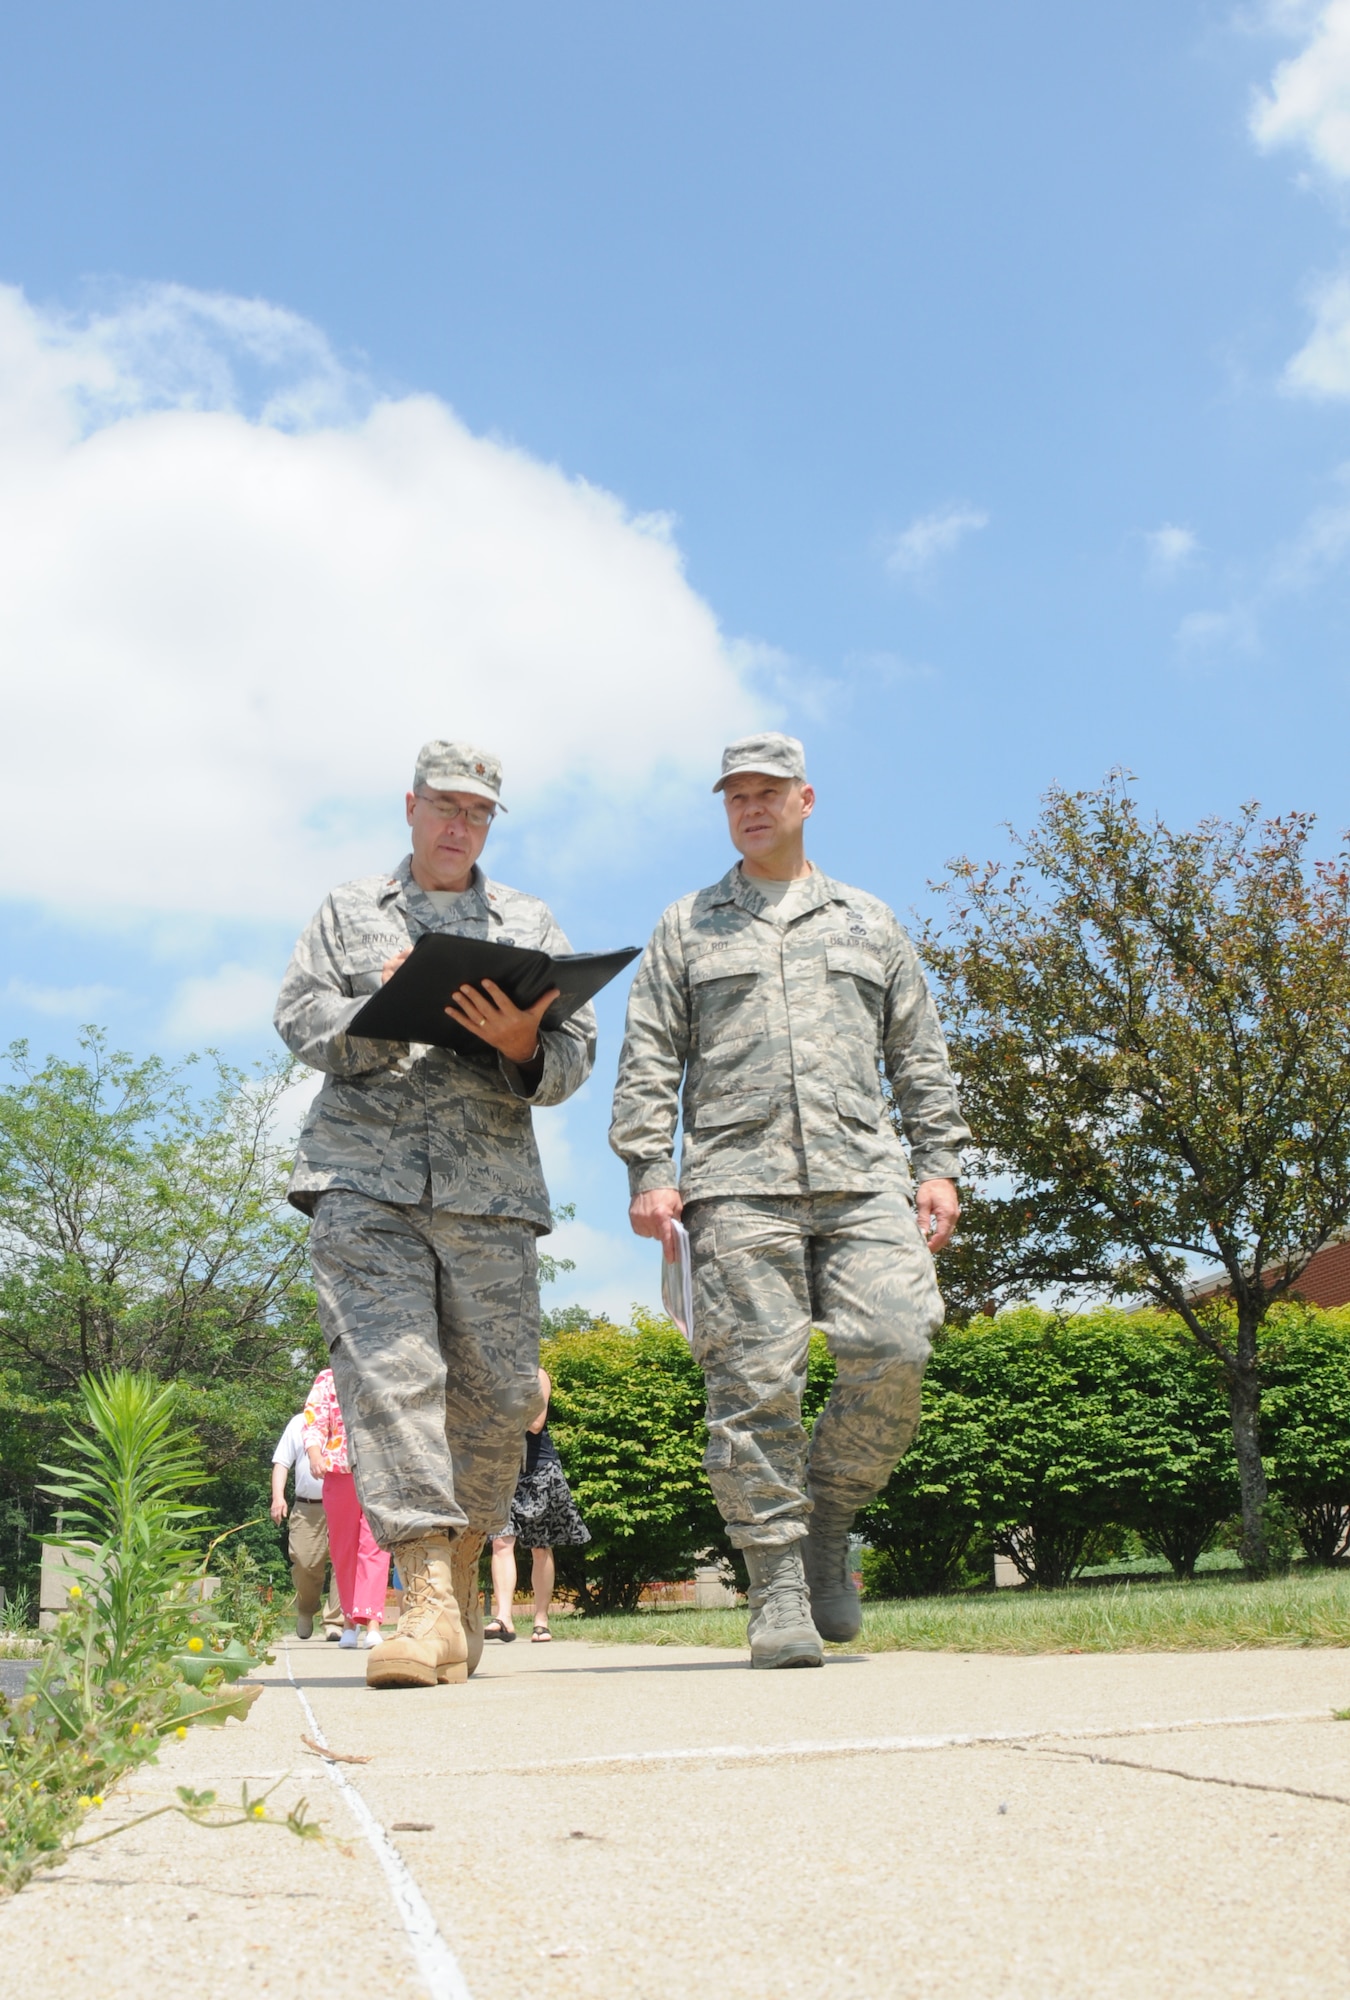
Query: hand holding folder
x=411, y=1006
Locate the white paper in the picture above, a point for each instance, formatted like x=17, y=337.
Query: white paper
x=677, y=1282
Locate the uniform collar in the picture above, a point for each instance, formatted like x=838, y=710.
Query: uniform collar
x=739, y=889
x=405, y=893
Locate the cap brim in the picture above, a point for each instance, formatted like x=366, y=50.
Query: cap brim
x=756, y=771
x=466, y=785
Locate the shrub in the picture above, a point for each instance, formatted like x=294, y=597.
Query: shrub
x=628, y=1420
x=922, y=1524
x=1182, y=1482
x=1037, y=1447
x=1305, y=1424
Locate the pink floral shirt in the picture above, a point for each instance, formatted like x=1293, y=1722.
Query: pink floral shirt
x=323, y=1424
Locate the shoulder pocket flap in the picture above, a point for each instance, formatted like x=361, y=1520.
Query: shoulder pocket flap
x=751, y=1109
x=860, y=1107
x=722, y=965
x=860, y=964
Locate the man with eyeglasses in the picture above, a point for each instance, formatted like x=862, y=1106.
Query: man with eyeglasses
x=774, y=1001
x=419, y=1168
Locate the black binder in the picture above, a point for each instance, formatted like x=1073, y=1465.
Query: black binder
x=411, y=1006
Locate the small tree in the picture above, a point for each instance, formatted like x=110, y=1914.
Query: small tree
x=1152, y=1033
x=142, y=1225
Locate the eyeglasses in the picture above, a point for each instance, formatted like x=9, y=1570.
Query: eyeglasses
x=447, y=810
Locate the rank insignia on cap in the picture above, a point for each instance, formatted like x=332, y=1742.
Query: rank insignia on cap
x=480, y=768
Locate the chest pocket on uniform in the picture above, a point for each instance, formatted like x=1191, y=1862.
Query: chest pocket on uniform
x=726, y=992
x=361, y=970
x=857, y=984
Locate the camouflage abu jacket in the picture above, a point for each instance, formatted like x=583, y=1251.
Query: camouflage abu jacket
x=390, y=1114
x=777, y=1029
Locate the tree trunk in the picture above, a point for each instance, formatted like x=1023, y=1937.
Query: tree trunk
x=1244, y=1402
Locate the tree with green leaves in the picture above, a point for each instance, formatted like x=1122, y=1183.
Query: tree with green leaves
x=142, y=1222
x=1152, y=1034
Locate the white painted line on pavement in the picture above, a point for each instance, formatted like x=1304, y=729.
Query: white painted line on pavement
x=435, y=1960
x=752, y=1753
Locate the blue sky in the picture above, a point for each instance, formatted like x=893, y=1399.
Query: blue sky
x=964, y=389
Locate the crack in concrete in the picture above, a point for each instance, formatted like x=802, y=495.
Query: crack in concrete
x=1196, y=1777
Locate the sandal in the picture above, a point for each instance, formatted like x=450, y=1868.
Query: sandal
x=496, y=1630
x=541, y=1636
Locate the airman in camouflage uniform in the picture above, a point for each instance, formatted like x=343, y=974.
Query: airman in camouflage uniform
x=420, y=1170
x=765, y=1009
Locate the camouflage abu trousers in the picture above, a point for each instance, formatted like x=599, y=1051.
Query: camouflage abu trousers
x=766, y=1270
x=432, y=1324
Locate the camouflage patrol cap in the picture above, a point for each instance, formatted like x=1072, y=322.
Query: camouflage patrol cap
x=459, y=767
x=774, y=755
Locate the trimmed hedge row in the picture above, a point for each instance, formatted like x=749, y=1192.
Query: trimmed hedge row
x=1076, y=1430
x=1045, y=1437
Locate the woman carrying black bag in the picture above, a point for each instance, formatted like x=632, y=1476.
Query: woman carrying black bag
x=543, y=1518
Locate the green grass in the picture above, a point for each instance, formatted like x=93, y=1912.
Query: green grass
x=1305, y=1609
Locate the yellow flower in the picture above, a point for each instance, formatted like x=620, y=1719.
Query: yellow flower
x=194, y=1644
x=181, y=1733
x=260, y=1812
x=97, y=1799
x=85, y=1804
x=135, y=1728
x=75, y=1590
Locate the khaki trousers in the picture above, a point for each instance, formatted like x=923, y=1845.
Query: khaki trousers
x=307, y=1548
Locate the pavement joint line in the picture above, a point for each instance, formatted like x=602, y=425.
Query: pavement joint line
x=764, y=1753
x=1202, y=1777
x=435, y=1960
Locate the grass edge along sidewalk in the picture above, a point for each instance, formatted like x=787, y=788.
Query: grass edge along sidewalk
x=1207, y=1616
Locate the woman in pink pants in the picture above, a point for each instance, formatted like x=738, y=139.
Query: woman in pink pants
x=359, y=1565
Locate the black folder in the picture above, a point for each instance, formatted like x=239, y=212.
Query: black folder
x=411, y=1006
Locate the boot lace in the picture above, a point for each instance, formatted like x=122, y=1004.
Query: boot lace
x=417, y=1607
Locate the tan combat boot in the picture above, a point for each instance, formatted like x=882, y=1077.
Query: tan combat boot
x=428, y=1644
x=464, y=1567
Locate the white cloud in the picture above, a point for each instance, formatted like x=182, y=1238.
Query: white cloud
x=554, y=1143
x=613, y=1272
x=1308, y=102
x=1208, y=632
x=238, y=588
x=1170, y=548
x=926, y=540
x=1322, y=365
x=292, y=1107
x=1308, y=106
x=230, y=1001
x=1321, y=544
x=76, y=1003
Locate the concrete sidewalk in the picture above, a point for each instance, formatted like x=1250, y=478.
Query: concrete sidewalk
x=597, y=1823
